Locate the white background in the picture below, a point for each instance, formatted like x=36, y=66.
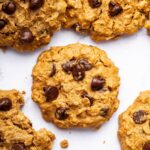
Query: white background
x=130, y=54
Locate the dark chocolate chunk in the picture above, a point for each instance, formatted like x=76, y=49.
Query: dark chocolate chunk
x=26, y=36
x=67, y=67
x=146, y=146
x=61, y=113
x=95, y=3
x=53, y=71
x=97, y=83
x=139, y=117
x=36, y=4
x=86, y=65
x=5, y=104
x=104, y=111
x=9, y=7
x=2, y=23
x=78, y=72
x=84, y=94
x=51, y=93
x=114, y=9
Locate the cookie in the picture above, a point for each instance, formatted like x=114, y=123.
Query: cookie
x=76, y=86
x=144, y=7
x=134, y=124
x=16, y=132
x=103, y=19
x=27, y=25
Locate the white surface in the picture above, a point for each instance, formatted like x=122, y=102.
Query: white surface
x=130, y=54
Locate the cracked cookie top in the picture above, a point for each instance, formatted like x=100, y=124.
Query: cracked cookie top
x=29, y=24
x=103, y=19
x=75, y=86
x=16, y=132
x=134, y=124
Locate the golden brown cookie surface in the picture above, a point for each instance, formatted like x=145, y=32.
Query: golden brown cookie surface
x=134, y=124
x=104, y=19
x=76, y=86
x=16, y=132
x=29, y=24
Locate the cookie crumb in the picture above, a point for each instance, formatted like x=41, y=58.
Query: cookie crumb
x=64, y=144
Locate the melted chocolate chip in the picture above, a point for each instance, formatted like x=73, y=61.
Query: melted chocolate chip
x=146, y=146
x=139, y=117
x=78, y=72
x=104, y=111
x=61, y=113
x=9, y=7
x=97, y=83
x=85, y=95
x=86, y=65
x=114, y=9
x=18, y=147
x=53, y=71
x=5, y=104
x=67, y=67
x=36, y=4
x=2, y=23
x=95, y=3
x=51, y=93
x=26, y=36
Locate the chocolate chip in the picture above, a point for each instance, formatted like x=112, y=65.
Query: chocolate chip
x=9, y=7
x=86, y=65
x=61, y=113
x=104, y=111
x=18, y=147
x=95, y=3
x=36, y=4
x=114, y=9
x=139, y=117
x=146, y=146
x=26, y=36
x=97, y=83
x=5, y=104
x=2, y=23
x=53, y=71
x=78, y=72
x=85, y=95
x=67, y=67
x=51, y=93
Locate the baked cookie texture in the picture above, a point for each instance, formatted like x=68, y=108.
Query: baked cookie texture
x=76, y=86
x=134, y=124
x=144, y=7
x=16, y=132
x=103, y=19
x=29, y=24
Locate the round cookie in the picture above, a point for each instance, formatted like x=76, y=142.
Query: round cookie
x=16, y=132
x=76, y=86
x=134, y=124
x=27, y=25
x=103, y=19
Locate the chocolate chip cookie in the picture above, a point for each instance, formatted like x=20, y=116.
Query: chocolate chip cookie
x=76, y=86
x=144, y=7
x=29, y=24
x=103, y=19
x=16, y=132
x=134, y=124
